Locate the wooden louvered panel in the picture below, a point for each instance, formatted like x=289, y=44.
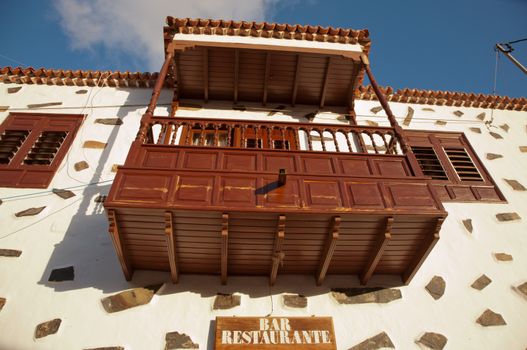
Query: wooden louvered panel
x=44, y=150
x=10, y=142
x=429, y=162
x=463, y=165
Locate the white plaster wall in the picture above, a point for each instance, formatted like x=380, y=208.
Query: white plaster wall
x=74, y=232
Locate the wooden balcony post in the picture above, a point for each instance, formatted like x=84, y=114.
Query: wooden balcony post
x=145, y=119
x=424, y=250
x=376, y=254
x=393, y=122
x=278, y=255
x=224, y=247
x=119, y=249
x=329, y=249
x=171, y=246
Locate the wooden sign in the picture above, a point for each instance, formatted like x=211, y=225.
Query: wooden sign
x=280, y=333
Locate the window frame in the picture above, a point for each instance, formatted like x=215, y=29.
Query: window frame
x=19, y=175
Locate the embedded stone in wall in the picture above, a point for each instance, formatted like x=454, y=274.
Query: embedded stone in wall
x=508, y=216
x=107, y=348
x=47, y=328
x=295, y=300
x=29, y=212
x=409, y=115
x=515, y=185
x=440, y=122
x=492, y=156
x=434, y=341
x=495, y=135
x=81, y=165
x=176, y=340
x=436, y=287
x=41, y=105
x=468, y=225
x=94, y=144
x=376, y=109
x=428, y=109
x=276, y=110
x=14, y=90
x=109, y=121
x=226, y=301
x=491, y=318
x=522, y=288
x=458, y=113
x=481, y=116
x=476, y=130
x=505, y=127
x=2, y=303
x=365, y=295
x=481, y=282
x=381, y=340
x=523, y=149
x=12, y=253
x=130, y=298
x=64, y=194
x=81, y=92
x=114, y=167
x=4, y=108
x=62, y=274
x=372, y=123
x=503, y=257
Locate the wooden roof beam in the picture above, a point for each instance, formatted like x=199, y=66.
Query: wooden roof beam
x=296, y=79
x=224, y=247
x=171, y=246
x=329, y=249
x=206, y=74
x=378, y=250
x=236, y=74
x=425, y=249
x=278, y=255
x=266, y=76
x=325, y=84
x=119, y=248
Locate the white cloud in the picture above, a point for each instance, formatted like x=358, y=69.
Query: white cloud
x=135, y=26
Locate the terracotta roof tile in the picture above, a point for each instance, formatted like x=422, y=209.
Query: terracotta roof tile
x=43, y=76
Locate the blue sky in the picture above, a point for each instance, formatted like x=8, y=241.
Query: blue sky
x=436, y=45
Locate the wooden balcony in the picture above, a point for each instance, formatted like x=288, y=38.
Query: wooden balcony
x=254, y=198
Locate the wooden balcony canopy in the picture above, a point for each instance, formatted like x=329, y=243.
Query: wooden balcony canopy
x=265, y=62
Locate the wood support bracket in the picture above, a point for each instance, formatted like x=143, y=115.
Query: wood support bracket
x=206, y=74
x=171, y=246
x=329, y=249
x=425, y=249
x=378, y=250
x=296, y=79
x=236, y=74
x=116, y=240
x=278, y=255
x=325, y=84
x=266, y=77
x=224, y=247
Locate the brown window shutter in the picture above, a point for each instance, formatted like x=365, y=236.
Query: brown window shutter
x=429, y=162
x=465, y=168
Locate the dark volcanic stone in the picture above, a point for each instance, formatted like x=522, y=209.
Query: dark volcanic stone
x=81, y=165
x=428, y=109
x=376, y=109
x=409, y=115
x=515, y=185
x=94, y=144
x=47, y=328
x=481, y=282
x=495, y=135
x=434, y=341
x=436, y=287
x=62, y=274
x=176, y=340
x=458, y=113
x=505, y=127
x=440, y=122
x=130, y=298
x=365, y=295
x=522, y=288
x=109, y=121
x=2, y=303
x=295, y=300
x=226, y=301
x=29, y=212
x=41, y=105
x=13, y=90
x=490, y=318
x=381, y=340
x=64, y=194
x=12, y=253
x=508, y=216
x=481, y=116
x=503, y=256
x=81, y=92
x=476, y=130
x=468, y=225
x=492, y=156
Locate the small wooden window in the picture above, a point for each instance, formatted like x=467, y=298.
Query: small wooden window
x=465, y=168
x=32, y=147
x=429, y=162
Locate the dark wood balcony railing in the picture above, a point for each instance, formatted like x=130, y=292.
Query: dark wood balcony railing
x=272, y=135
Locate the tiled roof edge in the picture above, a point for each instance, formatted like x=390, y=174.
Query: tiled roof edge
x=60, y=77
